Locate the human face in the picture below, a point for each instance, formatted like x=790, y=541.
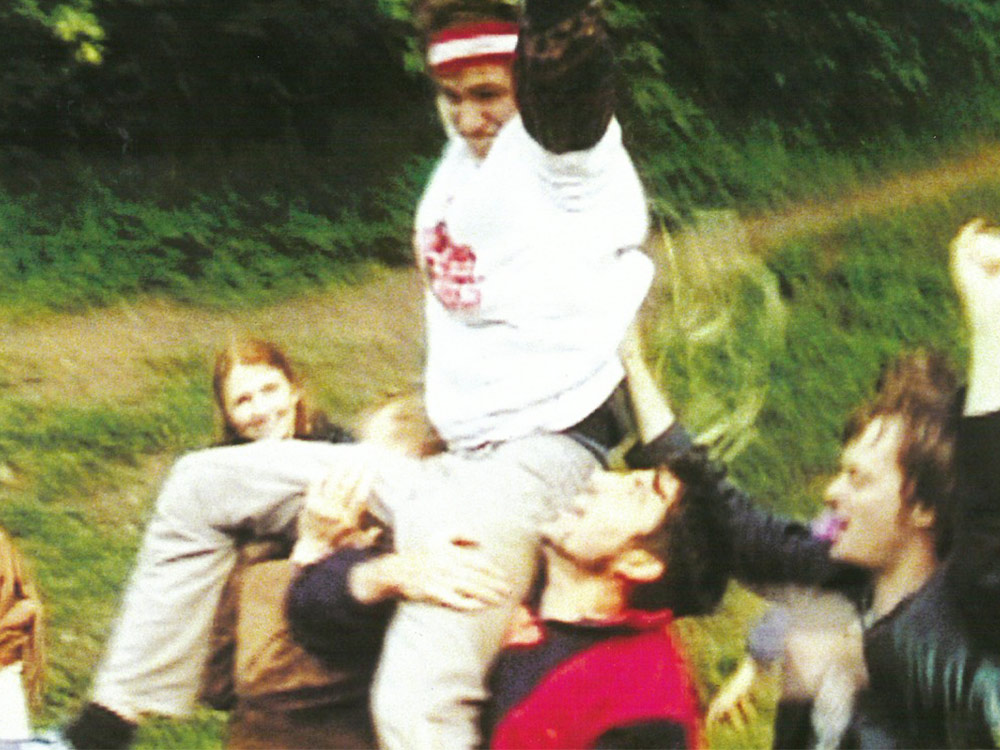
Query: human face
x=477, y=100
x=872, y=522
x=260, y=402
x=609, y=514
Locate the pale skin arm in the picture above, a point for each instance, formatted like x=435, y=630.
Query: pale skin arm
x=975, y=269
x=653, y=414
x=733, y=703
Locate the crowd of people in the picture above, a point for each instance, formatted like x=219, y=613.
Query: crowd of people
x=472, y=568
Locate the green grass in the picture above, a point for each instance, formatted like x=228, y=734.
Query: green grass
x=268, y=222
x=769, y=357
x=766, y=355
x=62, y=506
x=93, y=238
x=77, y=491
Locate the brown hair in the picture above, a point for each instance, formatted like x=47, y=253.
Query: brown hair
x=251, y=351
x=920, y=389
x=433, y=16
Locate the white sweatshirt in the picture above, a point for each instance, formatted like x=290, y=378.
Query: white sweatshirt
x=534, y=271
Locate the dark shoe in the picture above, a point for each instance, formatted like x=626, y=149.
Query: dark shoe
x=100, y=728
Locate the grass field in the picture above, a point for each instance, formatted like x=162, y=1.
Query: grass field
x=764, y=351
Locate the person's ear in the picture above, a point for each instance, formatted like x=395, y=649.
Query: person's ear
x=639, y=565
x=922, y=516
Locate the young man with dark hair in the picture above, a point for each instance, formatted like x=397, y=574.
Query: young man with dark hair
x=598, y=666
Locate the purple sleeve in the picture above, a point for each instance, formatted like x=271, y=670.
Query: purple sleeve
x=766, y=641
x=323, y=614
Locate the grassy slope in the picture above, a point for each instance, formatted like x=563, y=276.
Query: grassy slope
x=779, y=351
x=97, y=406
x=803, y=335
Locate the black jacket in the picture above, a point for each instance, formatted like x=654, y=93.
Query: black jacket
x=934, y=661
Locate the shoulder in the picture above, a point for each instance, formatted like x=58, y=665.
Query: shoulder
x=323, y=430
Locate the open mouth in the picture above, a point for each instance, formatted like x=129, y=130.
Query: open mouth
x=828, y=526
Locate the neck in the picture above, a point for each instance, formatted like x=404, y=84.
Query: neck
x=903, y=577
x=573, y=595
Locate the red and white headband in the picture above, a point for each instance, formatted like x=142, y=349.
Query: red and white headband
x=472, y=44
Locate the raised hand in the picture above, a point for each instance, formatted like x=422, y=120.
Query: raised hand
x=333, y=508
x=975, y=269
x=652, y=413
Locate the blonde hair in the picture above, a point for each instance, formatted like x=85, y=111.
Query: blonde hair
x=402, y=424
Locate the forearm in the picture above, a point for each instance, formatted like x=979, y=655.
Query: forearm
x=565, y=71
x=322, y=609
x=975, y=267
x=983, y=394
x=763, y=548
x=770, y=549
x=652, y=412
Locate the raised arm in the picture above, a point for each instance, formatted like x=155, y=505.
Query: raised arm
x=975, y=569
x=652, y=412
x=975, y=267
x=565, y=71
x=764, y=548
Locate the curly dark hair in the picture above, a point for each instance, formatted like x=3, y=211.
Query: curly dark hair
x=692, y=542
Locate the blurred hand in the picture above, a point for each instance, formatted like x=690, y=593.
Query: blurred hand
x=975, y=269
x=733, y=703
x=331, y=514
x=456, y=576
x=651, y=411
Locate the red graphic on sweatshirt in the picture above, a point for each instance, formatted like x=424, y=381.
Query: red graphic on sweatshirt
x=451, y=270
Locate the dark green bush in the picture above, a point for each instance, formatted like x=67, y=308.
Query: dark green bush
x=97, y=246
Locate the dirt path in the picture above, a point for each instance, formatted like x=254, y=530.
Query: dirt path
x=120, y=353
x=363, y=334
x=894, y=193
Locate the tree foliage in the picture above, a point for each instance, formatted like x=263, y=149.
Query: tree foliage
x=45, y=46
x=168, y=75
x=335, y=86
x=173, y=73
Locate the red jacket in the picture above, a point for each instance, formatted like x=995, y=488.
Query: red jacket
x=595, y=684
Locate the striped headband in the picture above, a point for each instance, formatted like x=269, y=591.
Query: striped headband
x=472, y=44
